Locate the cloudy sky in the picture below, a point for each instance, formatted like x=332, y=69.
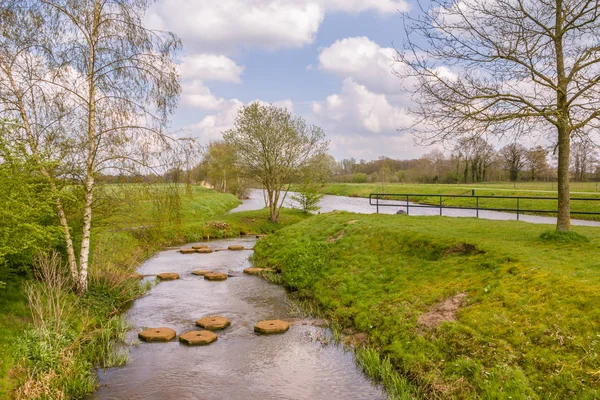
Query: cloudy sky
x=329, y=61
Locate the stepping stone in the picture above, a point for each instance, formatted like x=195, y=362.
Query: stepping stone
x=168, y=276
x=195, y=338
x=203, y=246
x=187, y=251
x=213, y=323
x=201, y=272
x=257, y=271
x=215, y=276
x=157, y=334
x=204, y=250
x=272, y=326
x=136, y=275
x=236, y=247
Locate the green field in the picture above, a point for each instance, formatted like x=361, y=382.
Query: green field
x=530, y=324
x=537, y=189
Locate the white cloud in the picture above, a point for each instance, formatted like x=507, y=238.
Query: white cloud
x=270, y=24
x=364, y=61
x=357, y=109
x=210, y=67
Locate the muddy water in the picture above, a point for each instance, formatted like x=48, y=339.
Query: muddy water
x=362, y=206
x=241, y=364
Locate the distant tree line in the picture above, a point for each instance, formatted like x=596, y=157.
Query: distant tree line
x=473, y=161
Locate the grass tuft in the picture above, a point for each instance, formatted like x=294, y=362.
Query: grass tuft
x=564, y=237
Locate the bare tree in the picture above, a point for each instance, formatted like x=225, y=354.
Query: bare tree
x=507, y=66
x=537, y=162
x=112, y=80
x=272, y=147
x=513, y=157
x=584, y=154
x=478, y=155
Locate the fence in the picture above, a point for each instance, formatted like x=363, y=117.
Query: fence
x=403, y=200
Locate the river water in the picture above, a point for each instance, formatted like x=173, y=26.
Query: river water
x=362, y=206
x=241, y=364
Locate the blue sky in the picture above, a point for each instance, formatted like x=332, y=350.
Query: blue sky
x=329, y=61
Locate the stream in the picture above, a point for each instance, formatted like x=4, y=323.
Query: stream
x=240, y=364
x=361, y=205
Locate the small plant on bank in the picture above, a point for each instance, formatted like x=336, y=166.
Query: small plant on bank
x=308, y=197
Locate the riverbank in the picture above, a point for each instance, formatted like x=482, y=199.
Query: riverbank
x=527, y=320
x=41, y=361
x=365, y=189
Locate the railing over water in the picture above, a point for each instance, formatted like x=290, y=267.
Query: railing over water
x=404, y=200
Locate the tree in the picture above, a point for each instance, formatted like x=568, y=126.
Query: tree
x=222, y=169
x=272, y=146
x=104, y=83
x=507, y=66
x=513, y=157
x=584, y=153
x=536, y=161
x=478, y=155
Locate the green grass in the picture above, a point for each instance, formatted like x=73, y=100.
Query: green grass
x=535, y=189
x=530, y=327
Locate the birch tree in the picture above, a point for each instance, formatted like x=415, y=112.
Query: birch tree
x=110, y=82
x=272, y=146
x=503, y=66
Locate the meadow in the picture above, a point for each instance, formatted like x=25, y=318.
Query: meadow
x=528, y=327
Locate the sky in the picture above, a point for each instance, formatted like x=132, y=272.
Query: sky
x=329, y=61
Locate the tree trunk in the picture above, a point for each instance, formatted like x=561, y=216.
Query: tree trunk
x=91, y=157
x=563, y=223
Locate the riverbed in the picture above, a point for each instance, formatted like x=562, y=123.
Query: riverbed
x=240, y=364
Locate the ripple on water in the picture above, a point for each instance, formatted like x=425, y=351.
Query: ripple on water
x=241, y=364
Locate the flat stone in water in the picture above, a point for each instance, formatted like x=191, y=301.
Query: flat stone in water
x=204, y=250
x=271, y=326
x=195, y=338
x=201, y=272
x=215, y=276
x=168, y=276
x=187, y=251
x=157, y=334
x=213, y=323
x=257, y=271
x=236, y=247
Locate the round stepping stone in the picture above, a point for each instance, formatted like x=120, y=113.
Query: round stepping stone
x=204, y=250
x=272, y=326
x=215, y=276
x=203, y=246
x=236, y=247
x=257, y=271
x=195, y=338
x=213, y=323
x=201, y=272
x=157, y=334
x=168, y=276
x=187, y=251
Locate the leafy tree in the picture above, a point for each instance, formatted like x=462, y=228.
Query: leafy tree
x=92, y=88
x=536, y=161
x=27, y=218
x=272, y=146
x=494, y=67
x=222, y=169
x=513, y=157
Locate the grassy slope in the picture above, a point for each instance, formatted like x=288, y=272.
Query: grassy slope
x=531, y=324
x=364, y=189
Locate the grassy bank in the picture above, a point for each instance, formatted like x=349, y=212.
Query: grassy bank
x=528, y=328
x=51, y=353
x=501, y=189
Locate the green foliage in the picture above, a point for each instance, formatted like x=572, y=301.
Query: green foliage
x=308, y=196
x=529, y=325
x=27, y=222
